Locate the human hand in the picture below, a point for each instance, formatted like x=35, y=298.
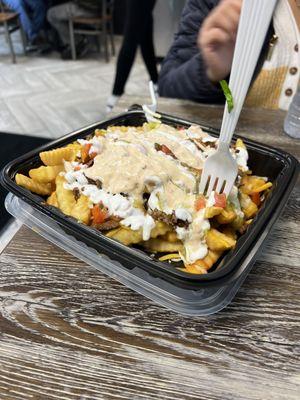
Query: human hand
x=217, y=36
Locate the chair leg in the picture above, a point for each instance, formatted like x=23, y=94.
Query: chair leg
x=112, y=38
x=9, y=41
x=23, y=38
x=99, y=43
x=72, y=39
x=104, y=30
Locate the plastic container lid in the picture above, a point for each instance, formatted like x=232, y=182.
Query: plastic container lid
x=191, y=294
x=205, y=301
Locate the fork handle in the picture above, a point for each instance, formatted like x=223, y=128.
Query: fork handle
x=254, y=22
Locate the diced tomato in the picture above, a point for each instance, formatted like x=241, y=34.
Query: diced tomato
x=85, y=152
x=220, y=200
x=255, y=197
x=77, y=168
x=87, y=146
x=165, y=149
x=200, y=203
x=99, y=214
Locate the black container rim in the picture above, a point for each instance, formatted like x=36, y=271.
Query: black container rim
x=134, y=257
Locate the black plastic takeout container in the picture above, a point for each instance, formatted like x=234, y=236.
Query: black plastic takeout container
x=280, y=167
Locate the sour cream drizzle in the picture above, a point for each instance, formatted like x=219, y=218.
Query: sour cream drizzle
x=195, y=247
x=242, y=158
x=116, y=204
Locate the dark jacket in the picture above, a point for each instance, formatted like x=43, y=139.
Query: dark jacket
x=183, y=72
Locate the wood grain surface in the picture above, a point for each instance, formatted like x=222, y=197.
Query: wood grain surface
x=69, y=332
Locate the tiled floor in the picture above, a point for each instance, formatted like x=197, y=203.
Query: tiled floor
x=45, y=96
x=48, y=97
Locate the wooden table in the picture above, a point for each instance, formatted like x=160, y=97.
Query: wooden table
x=69, y=332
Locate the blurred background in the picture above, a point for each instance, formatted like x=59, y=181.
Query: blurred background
x=44, y=91
x=66, y=64
x=45, y=96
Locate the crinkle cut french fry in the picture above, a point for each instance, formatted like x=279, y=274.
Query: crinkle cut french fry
x=202, y=266
x=195, y=268
x=148, y=126
x=65, y=198
x=75, y=146
x=52, y=200
x=249, y=208
x=226, y=216
x=57, y=156
x=81, y=210
x=253, y=184
x=119, y=128
x=35, y=187
x=162, y=246
x=45, y=174
x=218, y=241
x=229, y=231
x=170, y=237
x=211, y=212
x=68, y=205
x=160, y=229
x=100, y=132
x=239, y=143
x=127, y=236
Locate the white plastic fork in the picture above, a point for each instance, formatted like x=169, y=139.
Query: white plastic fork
x=150, y=109
x=220, y=169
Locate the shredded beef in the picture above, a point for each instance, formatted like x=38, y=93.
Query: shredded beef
x=96, y=182
x=198, y=143
x=181, y=223
x=76, y=193
x=162, y=216
x=165, y=149
x=145, y=200
x=193, y=170
x=212, y=144
x=169, y=219
x=157, y=146
x=111, y=223
x=90, y=163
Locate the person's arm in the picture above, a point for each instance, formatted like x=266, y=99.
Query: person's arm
x=183, y=74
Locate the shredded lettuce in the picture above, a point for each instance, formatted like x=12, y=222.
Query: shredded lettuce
x=227, y=94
